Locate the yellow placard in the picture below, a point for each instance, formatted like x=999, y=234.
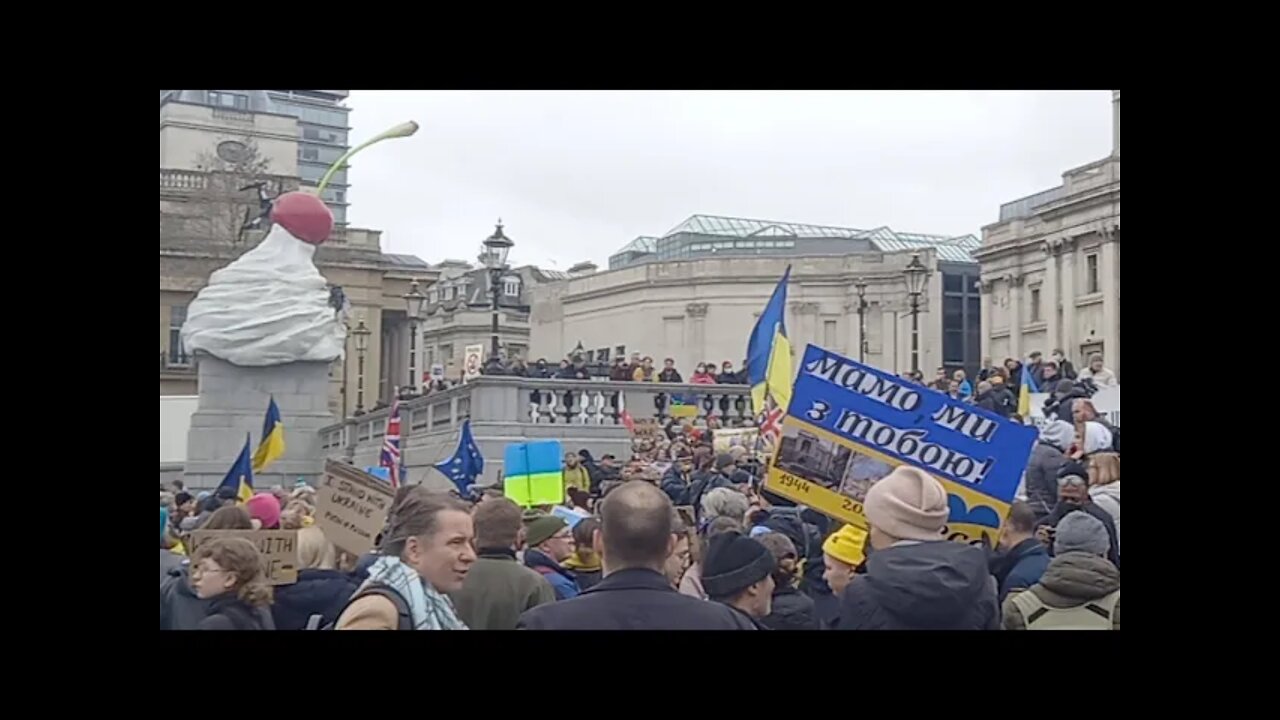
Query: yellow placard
x=983, y=511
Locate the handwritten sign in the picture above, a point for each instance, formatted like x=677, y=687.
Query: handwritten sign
x=849, y=425
x=351, y=507
x=278, y=548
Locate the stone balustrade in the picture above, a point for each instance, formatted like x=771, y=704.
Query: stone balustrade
x=581, y=414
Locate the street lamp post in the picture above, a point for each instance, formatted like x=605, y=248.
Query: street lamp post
x=917, y=275
x=413, y=304
x=493, y=255
x=861, y=286
x=361, y=334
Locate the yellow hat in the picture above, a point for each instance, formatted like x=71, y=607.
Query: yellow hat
x=847, y=545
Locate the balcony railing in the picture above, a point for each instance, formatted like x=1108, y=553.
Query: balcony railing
x=183, y=180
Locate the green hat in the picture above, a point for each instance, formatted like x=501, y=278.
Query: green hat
x=541, y=529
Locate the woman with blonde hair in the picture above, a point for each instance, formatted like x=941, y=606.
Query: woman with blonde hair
x=322, y=590
x=227, y=572
x=1104, y=485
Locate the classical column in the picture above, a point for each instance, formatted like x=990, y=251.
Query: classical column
x=1049, y=298
x=1014, y=284
x=1108, y=284
x=984, y=290
x=1068, y=293
x=697, y=313
x=806, y=314
x=888, y=340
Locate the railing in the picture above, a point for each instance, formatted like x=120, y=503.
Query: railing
x=538, y=402
x=183, y=180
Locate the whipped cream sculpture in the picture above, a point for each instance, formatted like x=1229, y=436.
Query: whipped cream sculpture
x=271, y=306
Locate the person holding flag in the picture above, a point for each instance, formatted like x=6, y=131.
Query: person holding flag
x=391, y=459
x=271, y=447
x=769, y=362
x=466, y=463
x=1027, y=386
x=239, y=478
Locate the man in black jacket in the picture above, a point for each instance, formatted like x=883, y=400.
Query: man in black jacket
x=669, y=373
x=738, y=572
x=1065, y=368
x=1073, y=495
x=636, y=539
x=1006, y=403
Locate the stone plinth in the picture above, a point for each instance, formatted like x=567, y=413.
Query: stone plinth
x=233, y=403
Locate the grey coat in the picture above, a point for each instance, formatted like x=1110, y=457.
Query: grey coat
x=1042, y=477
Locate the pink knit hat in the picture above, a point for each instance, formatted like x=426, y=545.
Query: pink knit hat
x=907, y=504
x=264, y=508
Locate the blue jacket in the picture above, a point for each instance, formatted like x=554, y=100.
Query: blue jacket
x=1020, y=567
x=562, y=581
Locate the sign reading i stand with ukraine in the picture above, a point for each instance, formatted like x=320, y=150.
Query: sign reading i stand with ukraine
x=848, y=425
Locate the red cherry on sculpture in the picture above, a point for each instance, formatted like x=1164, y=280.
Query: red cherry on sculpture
x=304, y=215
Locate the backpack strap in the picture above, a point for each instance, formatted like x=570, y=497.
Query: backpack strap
x=313, y=622
x=1032, y=607
x=1104, y=607
x=404, y=615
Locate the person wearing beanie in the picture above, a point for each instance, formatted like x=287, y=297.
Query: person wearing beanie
x=264, y=511
x=549, y=542
x=637, y=535
x=790, y=608
x=1020, y=559
x=842, y=554
x=916, y=579
x=498, y=589
x=1047, y=457
x=1073, y=495
x=1080, y=589
x=738, y=571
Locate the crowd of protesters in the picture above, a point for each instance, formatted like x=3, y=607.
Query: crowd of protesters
x=636, y=369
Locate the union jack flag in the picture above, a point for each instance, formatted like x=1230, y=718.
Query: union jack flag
x=770, y=423
x=390, y=458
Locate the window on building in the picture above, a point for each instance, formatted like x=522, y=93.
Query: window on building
x=433, y=296
x=177, y=318
x=952, y=282
x=829, y=333
x=310, y=133
x=511, y=287
x=1035, y=304
x=1091, y=272
x=431, y=356
x=603, y=354
x=620, y=351
x=229, y=100
x=308, y=153
x=446, y=353
x=340, y=195
x=953, y=348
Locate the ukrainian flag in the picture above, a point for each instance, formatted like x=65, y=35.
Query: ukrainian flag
x=533, y=473
x=272, y=445
x=1028, y=386
x=769, y=352
x=240, y=476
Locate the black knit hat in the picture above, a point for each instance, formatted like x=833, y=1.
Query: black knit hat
x=733, y=564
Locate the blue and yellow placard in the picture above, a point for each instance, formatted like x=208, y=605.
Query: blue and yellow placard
x=533, y=473
x=848, y=425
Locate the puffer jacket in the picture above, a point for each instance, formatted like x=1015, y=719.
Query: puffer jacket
x=1071, y=580
x=577, y=477
x=792, y=610
x=674, y=483
x=938, y=585
x=1042, y=477
x=1107, y=497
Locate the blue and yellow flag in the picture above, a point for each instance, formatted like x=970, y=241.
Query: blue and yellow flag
x=1027, y=386
x=240, y=476
x=769, y=352
x=272, y=445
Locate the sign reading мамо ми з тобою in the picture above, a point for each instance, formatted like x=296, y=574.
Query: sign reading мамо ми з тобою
x=850, y=424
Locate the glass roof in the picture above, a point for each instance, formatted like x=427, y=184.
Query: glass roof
x=950, y=249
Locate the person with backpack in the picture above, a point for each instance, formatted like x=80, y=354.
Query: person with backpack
x=1080, y=589
x=321, y=591
x=425, y=552
x=227, y=572
x=498, y=588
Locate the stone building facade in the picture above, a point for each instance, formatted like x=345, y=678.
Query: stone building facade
x=1050, y=267
x=704, y=309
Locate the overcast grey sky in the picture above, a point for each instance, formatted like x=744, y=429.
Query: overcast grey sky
x=576, y=175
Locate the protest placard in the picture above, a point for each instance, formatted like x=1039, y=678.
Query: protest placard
x=533, y=473
x=849, y=425
x=351, y=507
x=278, y=548
x=472, y=360
x=722, y=439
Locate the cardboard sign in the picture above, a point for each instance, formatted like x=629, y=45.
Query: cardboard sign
x=725, y=438
x=472, y=360
x=278, y=548
x=351, y=507
x=437, y=372
x=849, y=425
x=647, y=429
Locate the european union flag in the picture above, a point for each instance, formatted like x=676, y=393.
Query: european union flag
x=466, y=464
